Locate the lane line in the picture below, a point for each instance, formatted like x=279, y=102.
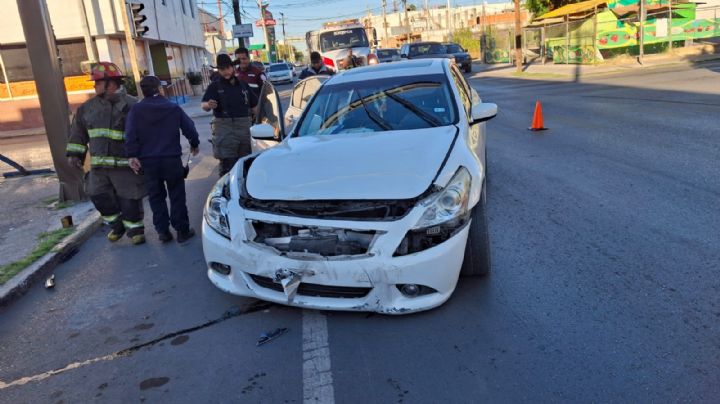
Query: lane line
x=317, y=372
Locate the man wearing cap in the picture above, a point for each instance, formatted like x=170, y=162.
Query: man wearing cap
x=152, y=143
x=247, y=72
x=232, y=102
x=99, y=128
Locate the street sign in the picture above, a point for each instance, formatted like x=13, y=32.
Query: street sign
x=242, y=31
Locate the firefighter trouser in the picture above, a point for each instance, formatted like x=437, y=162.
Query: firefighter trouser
x=117, y=194
x=231, y=140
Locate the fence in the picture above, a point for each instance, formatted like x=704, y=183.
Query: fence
x=176, y=91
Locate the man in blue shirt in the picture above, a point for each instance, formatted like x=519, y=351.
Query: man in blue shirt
x=152, y=143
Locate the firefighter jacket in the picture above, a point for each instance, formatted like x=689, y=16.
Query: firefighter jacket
x=100, y=125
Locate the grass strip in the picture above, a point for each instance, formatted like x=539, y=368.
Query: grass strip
x=46, y=243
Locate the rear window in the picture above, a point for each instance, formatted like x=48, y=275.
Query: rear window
x=454, y=49
x=427, y=49
x=278, y=67
x=387, y=53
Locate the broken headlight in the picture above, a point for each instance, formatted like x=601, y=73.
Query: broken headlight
x=216, y=207
x=448, y=204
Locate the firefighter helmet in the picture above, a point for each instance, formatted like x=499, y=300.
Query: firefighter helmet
x=105, y=71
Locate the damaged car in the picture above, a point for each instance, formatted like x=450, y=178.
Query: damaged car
x=374, y=201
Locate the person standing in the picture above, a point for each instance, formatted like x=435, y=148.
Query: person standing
x=152, y=143
x=99, y=127
x=316, y=68
x=232, y=102
x=247, y=72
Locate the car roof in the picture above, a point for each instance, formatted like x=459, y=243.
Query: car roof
x=387, y=70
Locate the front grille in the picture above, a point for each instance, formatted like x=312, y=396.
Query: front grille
x=313, y=289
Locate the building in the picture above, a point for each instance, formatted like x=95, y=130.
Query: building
x=173, y=45
x=215, y=34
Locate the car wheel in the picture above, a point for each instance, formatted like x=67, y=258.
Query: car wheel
x=477, y=250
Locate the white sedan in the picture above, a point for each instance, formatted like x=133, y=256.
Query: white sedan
x=374, y=202
x=280, y=73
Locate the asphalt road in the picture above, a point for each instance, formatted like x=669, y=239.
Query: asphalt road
x=605, y=283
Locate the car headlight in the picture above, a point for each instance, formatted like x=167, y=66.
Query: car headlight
x=216, y=207
x=448, y=204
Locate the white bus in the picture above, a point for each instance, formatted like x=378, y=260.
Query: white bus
x=334, y=40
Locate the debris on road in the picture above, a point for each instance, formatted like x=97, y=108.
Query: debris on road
x=50, y=282
x=269, y=336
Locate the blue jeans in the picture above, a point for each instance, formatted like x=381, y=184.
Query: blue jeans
x=163, y=178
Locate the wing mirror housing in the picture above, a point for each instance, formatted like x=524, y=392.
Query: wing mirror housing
x=262, y=131
x=482, y=112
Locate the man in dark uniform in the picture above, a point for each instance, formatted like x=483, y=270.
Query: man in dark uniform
x=317, y=67
x=232, y=102
x=247, y=72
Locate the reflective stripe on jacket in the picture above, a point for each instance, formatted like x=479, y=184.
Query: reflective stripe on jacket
x=98, y=127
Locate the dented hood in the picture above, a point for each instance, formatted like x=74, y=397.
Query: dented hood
x=358, y=166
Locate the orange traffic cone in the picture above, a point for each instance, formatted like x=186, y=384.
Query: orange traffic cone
x=537, y=122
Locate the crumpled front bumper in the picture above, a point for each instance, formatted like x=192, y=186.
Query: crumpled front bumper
x=353, y=283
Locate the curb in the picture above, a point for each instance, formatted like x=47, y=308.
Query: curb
x=63, y=251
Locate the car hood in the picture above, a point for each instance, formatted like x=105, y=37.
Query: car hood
x=359, y=166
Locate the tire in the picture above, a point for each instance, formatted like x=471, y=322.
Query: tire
x=477, y=260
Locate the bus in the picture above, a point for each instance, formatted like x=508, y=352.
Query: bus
x=334, y=40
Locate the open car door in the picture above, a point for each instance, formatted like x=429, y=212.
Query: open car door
x=301, y=95
x=268, y=129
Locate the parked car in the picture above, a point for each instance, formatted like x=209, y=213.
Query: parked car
x=259, y=65
x=462, y=57
x=374, y=201
x=280, y=73
x=388, y=55
x=425, y=50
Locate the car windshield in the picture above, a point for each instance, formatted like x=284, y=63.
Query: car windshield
x=341, y=39
x=427, y=49
x=399, y=103
x=278, y=67
x=387, y=53
x=452, y=48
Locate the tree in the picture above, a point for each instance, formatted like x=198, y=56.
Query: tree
x=540, y=7
x=411, y=7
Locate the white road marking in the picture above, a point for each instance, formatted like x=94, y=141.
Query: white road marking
x=317, y=374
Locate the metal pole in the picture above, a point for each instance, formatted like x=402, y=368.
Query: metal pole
x=90, y=46
x=641, y=31
x=447, y=21
x=567, y=40
x=265, y=33
x=238, y=20
x=282, y=16
x=385, y=24
x=670, y=42
x=595, y=31
x=543, y=49
x=131, y=45
x=7, y=82
x=518, y=38
x=47, y=73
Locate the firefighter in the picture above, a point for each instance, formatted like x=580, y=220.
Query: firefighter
x=247, y=72
x=232, y=102
x=98, y=127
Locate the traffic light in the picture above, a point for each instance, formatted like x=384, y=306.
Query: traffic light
x=138, y=18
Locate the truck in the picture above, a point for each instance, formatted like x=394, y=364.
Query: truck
x=334, y=39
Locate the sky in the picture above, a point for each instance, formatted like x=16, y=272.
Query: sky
x=302, y=16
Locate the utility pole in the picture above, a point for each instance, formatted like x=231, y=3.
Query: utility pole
x=670, y=43
x=238, y=20
x=406, y=23
x=285, y=46
x=641, y=31
x=448, y=20
x=90, y=46
x=427, y=16
x=385, y=24
x=47, y=73
x=122, y=8
x=518, y=38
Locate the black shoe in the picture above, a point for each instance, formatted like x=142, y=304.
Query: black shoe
x=165, y=236
x=184, y=236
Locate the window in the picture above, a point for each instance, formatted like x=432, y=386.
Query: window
x=453, y=48
x=278, y=67
x=341, y=39
x=398, y=103
x=17, y=60
x=297, y=95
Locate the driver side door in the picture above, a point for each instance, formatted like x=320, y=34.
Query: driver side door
x=300, y=98
x=269, y=111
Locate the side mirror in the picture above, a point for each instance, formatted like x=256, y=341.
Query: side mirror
x=404, y=56
x=262, y=131
x=482, y=112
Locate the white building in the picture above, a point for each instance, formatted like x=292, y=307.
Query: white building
x=174, y=44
